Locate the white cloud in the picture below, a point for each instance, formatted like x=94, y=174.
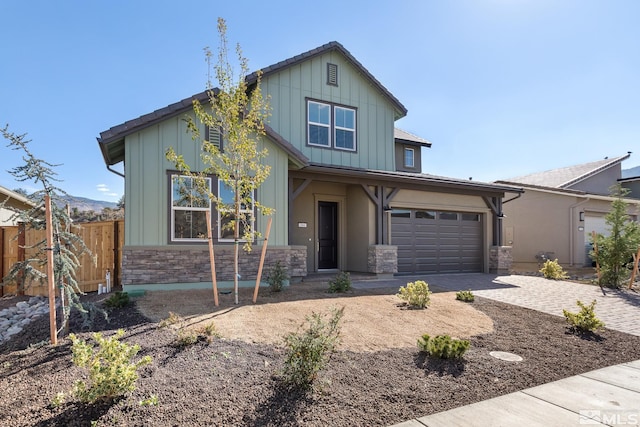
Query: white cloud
x=103, y=188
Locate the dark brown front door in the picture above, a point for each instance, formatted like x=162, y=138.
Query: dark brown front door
x=327, y=235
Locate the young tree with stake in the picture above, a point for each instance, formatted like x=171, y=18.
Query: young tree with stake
x=238, y=113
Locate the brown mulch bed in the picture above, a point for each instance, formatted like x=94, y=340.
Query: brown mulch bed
x=231, y=382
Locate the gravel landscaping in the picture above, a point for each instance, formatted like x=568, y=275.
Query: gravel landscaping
x=235, y=381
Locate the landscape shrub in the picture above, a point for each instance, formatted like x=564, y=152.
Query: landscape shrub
x=585, y=320
x=553, y=270
x=443, y=346
x=416, y=294
x=118, y=300
x=276, y=277
x=111, y=372
x=466, y=296
x=309, y=351
x=340, y=283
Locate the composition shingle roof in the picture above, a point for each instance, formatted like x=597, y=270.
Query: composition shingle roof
x=565, y=177
x=403, y=135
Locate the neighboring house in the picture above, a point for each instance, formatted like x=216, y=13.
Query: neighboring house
x=345, y=184
x=10, y=200
x=631, y=180
x=560, y=209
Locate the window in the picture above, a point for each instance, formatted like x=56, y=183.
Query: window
x=189, y=206
x=331, y=126
x=226, y=195
x=470, y=217
x=426, y=214
x=409, y=158
x=319, y=124
x=400, y=213
x=448, y=216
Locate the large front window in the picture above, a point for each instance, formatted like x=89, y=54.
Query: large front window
x=331, y=126
x=226, y=214
x=189, y=206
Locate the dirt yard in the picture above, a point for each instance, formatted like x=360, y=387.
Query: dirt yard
x=373, y=319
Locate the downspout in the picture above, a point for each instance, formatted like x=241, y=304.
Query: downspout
x=572, y=232
x=114, y=171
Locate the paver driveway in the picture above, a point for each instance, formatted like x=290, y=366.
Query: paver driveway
x=619, y=310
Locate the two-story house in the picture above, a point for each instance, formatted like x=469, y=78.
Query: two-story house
x=346, y=186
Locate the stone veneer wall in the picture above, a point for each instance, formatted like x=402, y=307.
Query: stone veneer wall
x=190, y=264
x=382, y=259
x=500, y=259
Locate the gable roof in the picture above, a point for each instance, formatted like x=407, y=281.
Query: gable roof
x=633, y=173
x=564, y=178
x=331, y=46
x=111, y=141
x=409, y=138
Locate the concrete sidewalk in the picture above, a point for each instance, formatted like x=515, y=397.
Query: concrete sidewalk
x=608, y=396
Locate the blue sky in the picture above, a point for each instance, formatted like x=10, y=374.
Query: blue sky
x=500, y=87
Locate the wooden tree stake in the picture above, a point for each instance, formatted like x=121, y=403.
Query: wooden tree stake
x=636, y=260
x=212, y=259
x=595, y=248
x=50, y=278
x=264, y=252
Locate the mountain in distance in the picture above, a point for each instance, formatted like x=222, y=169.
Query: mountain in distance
x=84, y=204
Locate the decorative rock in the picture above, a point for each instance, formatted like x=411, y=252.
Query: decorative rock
x=13, y=319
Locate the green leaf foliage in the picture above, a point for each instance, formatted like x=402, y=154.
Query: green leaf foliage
x=552, y=270
x=415, y=294
x=309, y=351
x=111, y=371
x=341, y=283
x=443, y=346
x=585, y=320
x=615, y=250
x=466, y=296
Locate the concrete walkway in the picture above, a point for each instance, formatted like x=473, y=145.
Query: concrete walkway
x=608, y=396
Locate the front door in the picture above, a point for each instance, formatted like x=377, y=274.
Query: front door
x=327, y=235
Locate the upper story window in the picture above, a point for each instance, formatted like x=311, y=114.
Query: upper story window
x=409, y=158
x=189, y=206
x=331, y=126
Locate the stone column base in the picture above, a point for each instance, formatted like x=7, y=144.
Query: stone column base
x=382, y=260
x=500, y=259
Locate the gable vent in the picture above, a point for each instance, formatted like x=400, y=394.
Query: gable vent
x=213, y=136
x=332, y=74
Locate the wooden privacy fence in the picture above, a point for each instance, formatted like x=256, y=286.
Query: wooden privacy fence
x=105, y=240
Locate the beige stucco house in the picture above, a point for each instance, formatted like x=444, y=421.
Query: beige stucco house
x=559, y=210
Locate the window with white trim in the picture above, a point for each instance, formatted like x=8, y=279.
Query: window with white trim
x=226, y=196
x=409, y=161
x=331, y=126
x=189, y=206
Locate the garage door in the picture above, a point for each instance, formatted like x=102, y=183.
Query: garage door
x=437, y=241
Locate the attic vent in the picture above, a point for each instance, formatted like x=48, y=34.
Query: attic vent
x=332, y=74
x=213, y=136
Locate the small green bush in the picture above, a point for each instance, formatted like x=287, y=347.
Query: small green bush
x=117, y=300
x=416, y=294
x=443, y=346
x=276, y=277
x=585, y=320
x=111, y=372
x=553, y=270
x=340, y=283
x=466, y=296
x=309, y=351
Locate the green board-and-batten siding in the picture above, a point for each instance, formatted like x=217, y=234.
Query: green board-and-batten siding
x=289, y=90
x=147, y=215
